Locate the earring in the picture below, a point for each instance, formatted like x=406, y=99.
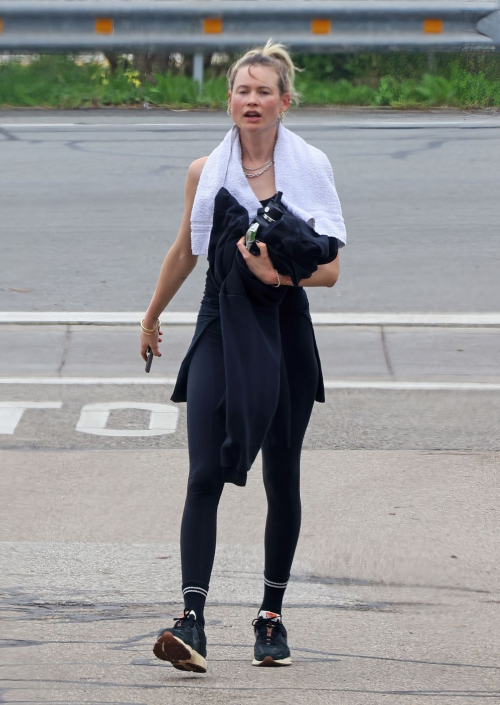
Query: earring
x=281, y=115
x=228, y=110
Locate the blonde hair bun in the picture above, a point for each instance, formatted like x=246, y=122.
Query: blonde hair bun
x=276, y=56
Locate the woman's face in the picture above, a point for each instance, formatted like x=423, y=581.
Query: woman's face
x=256, y=93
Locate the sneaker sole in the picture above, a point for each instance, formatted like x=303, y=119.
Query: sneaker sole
x=268, y=661
x=181, y=655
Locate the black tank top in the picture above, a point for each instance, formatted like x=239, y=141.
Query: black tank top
x=266, y=200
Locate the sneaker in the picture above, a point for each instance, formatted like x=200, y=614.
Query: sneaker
x=184, y=644
x=271, y=648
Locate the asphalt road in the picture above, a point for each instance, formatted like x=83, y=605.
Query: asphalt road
x=393, y=596
x=394, y=593
x=394, y=589
x=91, y=203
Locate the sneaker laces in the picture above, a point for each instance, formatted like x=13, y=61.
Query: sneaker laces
x=181, y=621
x=268, y=629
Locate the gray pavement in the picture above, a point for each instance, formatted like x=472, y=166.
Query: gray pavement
x=393, y=596
x=347, y=352
x=394, y=588
x=394, y=593
x=57, y=357
x=92, y=200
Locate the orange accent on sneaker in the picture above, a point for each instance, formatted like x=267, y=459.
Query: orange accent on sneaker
x=270, y=615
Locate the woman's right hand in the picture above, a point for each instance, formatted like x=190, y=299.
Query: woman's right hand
x=150, y=339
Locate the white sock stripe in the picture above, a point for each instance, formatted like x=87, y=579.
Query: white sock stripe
x=275, y=585
x=195, y=589
x=198, y=587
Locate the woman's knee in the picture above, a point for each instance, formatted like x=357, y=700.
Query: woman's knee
x=205, y=485
x=282, y=484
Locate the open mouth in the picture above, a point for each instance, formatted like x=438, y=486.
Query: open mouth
x=252, y=114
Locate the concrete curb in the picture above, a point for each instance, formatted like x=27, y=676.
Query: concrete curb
x=181, y=318
x=387, y=385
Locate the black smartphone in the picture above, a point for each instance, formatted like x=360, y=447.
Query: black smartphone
x=149, y=361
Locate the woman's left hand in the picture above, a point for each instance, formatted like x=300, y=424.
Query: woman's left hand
x=261, y=266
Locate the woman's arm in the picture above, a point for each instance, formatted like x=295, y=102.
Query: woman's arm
x=177, y=265
x=325, y=275
x=179, y=262
x=262, y=267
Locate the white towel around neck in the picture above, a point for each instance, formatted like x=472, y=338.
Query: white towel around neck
x=302, y=172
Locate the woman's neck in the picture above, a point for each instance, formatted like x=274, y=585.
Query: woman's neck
x=257, y=148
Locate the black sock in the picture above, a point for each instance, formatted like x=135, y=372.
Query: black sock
x=195, y=595
x=274, y=593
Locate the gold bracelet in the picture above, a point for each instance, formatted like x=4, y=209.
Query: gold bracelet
x=279, y=281
x=150, y=331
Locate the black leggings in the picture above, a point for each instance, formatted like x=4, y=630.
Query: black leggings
x=281, y=466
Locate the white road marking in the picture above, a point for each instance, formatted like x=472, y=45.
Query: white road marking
x=415, y=386
x=117, y=318
x=329, y=383
x=406, y=319
x=89, y=380
x=10, y=125
x=333, y=122
x=97, y=318
x=94, y=417
x=11, y=412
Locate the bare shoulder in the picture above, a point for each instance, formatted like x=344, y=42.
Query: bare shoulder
x=195, y=169
x=183, y=240
x=192, y=180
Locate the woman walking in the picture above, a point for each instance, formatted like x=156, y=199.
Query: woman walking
x=252, y=372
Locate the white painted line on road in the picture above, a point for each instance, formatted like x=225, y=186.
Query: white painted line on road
x=115, y=124
x=89, y=380
x=120, y=318
x=94, y=318
x=415, y=386
x=406, y=319
x=329, y=383
x=94, y=417
x=11, y=125
x=11, y=412
x=333, y=123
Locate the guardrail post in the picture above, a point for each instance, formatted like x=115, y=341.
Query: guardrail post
x=198, y=70
x=431, y=62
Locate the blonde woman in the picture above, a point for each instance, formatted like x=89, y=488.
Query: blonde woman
x=252, y=372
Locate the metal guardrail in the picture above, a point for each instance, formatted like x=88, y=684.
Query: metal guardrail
x=229, y=25
x=197, y=27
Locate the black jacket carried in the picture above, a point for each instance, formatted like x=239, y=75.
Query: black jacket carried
x=250, y=313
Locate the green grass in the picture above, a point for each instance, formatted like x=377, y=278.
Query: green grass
x=399, y=81
x=58, y=82
x=333, y=92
